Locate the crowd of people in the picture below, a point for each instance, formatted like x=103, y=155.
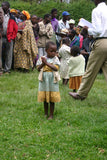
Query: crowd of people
x=28, y=41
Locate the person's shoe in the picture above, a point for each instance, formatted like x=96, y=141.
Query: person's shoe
x=76, y=96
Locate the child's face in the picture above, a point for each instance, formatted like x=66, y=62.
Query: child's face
x=51, y=51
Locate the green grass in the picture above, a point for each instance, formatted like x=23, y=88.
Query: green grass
x=77, y=132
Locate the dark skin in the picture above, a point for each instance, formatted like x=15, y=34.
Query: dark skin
x=14, y=14
x=34, y=19
x=71, y=25
x=54, y=14
x=51, y=52
x=22, y=17
x=47, y=20
x=97, y=2
x=5, y=8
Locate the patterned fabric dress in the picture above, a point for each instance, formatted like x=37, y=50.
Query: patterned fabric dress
x=25, y=49
x=48, y=89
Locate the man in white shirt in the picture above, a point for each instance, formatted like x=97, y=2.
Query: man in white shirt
x=98, y=56
x=62, y=24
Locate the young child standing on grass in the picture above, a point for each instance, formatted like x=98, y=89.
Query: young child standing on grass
x=76, y=68
x=64, y=54
x=48, y=79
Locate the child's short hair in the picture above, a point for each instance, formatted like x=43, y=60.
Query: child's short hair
x=65, y=40
x=48, y=44
x=33, y=16
x=53, y=10
x=6, y=3
x=75, y=50
x=46, y=16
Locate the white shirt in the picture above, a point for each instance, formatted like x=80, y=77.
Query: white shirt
x=62, y=25
x=99, y=21
x=5, y=23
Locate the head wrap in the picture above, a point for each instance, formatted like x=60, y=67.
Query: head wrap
x=26, y=13
x=71, y=21
x=13, y=10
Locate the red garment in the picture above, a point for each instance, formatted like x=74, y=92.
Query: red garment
x=81, y=41
x=12, y=29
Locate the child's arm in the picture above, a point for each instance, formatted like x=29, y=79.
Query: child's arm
x=49, y=65
x=40, y=66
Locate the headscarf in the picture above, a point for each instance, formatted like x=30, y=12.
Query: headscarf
x=13, y=11
x=26, y=13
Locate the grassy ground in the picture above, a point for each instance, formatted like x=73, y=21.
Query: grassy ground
x=77, y=132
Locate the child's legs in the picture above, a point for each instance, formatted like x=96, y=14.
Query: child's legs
x=66, y=81
x=46, y=108
x=52, y=106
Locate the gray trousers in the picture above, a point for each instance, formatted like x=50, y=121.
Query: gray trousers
x=7, y=54
x=0, y=54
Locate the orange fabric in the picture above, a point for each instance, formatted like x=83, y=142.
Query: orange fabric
x=46, y=96
x=26, y=13
x=74, y=82
x=13, y=11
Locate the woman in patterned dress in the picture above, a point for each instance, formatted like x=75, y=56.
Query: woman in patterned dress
x=25, y=49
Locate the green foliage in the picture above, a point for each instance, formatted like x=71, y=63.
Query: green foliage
x=77, y=132
x=77, y=9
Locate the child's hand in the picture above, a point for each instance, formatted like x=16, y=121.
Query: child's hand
x=44, y=60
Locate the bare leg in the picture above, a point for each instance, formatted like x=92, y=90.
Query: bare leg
x=74, y=90
x=66, y=81
x=46, y=109
x=52, y=106
x=63, y=81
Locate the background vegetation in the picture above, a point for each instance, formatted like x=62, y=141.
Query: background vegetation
x=77, y=9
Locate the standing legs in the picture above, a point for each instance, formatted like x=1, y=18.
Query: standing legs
x=46, y=109
x=65, y=81
x=52, y=106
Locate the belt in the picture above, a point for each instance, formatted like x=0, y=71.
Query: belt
x=100, y=38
